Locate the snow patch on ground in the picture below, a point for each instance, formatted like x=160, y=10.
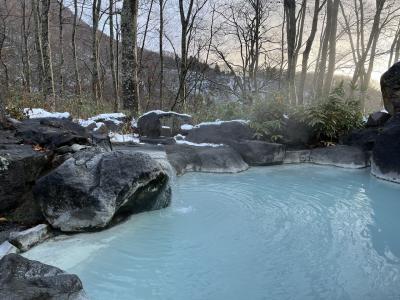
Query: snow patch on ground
x=34, y=113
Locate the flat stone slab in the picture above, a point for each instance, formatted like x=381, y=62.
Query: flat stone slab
x=259, y=153
x=26, y=239
x=7, y=248
x=340, y=156
x=297, y=156
x=221, y=159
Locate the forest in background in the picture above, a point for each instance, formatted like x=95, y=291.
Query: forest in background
x=89, y=56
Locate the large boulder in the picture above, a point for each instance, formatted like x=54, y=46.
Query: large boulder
x=24, y=279
x=259, y=153
x=150, y=123
x=363, y=138
x=51, y=133
x=377, y=119
x=20, y=167
x=390, y=87
x=189, y=158
x=93, y=187
x=385, y=162
x=340, y=156
x=219, y=132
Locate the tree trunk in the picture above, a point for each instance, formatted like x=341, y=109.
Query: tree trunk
x=95, y=51
x=290, y=11
x=38, y=42
x=112, y=57
x=332, y=49
x=61, y=45
x=25, y=56
x=48, y=82
x=307, y=51
x=319, y=82
x=161, y=33
x=129, y=66
x=78, y=88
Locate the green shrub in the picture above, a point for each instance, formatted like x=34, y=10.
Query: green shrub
x=267, y=118
x=332, y=117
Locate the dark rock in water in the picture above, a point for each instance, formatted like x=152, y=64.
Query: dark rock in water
x=24, y=279
x=20, y=166
x=51, y=132
x=259, y=153
x=88, y=190
x=363, y=138
x=386, y=154
x=221, y=159
x=150, y=123
x=297, y=134
x=340, y=156
x=377, y=119
x=223, y=132
x=390, y=87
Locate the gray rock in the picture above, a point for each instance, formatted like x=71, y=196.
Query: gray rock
x=20, y=166
x=220, y=132
x=259, y=153
x=24, y=279
x=385, y=162
x=377, y=119
x=52, y=133
x=150, y=123
x=7, y=248
x=297, y=156
x=390, y=87
x=28, y=238
x=340, y=156
x=363, y=138
x=223, y=159
x=93, y=188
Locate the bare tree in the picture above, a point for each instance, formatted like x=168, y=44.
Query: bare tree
x=48, y=82
x=96, y=6
x=307, y=50
x=61, y=45
x=129, y=64
x=25, y=56
x=112, y=56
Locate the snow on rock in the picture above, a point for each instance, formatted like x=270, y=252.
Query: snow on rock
x=183, y=142
x=384, y=111
x=34, y=113
x=187, y=127
x=180, y=139
x=85, y=123
x=113, y=117
x=161, y=112
x=219, y=122
x=123, y=138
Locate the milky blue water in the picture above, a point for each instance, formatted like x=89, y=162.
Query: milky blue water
x=284, y=232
